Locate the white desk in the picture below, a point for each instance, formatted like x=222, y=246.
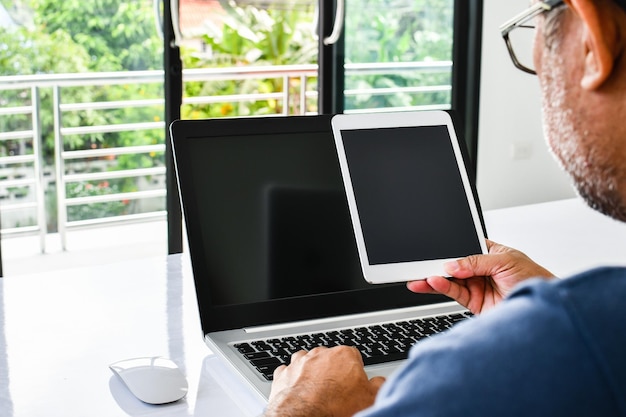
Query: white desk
x=564, y=236
x=61, y=330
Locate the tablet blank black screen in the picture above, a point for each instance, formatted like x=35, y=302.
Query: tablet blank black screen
x=409, y=194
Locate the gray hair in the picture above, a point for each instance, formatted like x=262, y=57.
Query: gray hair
x=552, y=26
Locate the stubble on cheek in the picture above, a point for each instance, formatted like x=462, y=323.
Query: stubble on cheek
x=581, y=153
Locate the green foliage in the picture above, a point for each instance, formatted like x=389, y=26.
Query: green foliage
x=94, y=210
x=250, y=36
x=399, y=31
x=118, y=35
x=76, y=37
x=26, y=52
x=378, y=31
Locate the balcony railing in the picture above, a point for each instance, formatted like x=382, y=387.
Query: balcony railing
x=25, y=175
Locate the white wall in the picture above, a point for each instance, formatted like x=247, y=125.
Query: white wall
x=514, y=164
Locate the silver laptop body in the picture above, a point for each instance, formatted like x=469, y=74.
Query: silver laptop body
x=270, y=239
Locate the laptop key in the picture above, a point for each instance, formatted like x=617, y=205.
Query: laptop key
x=267, y=369
x=261, y=346
x=257, y=355
x=373, y=360
x=244, y=348
x=381, y=343
x=266, y=362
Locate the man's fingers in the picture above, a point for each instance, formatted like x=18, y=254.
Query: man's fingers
x=377, y=381
x=279, y=370
x=480, y=265
x=296, y=356
x=440, y=285
x=474, y=266
x=449, y=288
x=420, y=286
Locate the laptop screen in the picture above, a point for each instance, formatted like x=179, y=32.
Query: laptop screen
x=269, y=230
x=275, y=217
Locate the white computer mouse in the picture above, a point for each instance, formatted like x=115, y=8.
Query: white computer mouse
x=154, y=380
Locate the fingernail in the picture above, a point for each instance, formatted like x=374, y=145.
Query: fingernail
x=451, y=267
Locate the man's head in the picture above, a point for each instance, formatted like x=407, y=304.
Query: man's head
x=580, y=60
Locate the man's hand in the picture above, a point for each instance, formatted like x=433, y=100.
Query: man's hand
x=481, y=281
x=322, y=382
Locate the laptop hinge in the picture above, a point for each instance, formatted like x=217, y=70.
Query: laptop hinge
x=386, y=313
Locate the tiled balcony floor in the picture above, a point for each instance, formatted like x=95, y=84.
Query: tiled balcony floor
x=94, y=246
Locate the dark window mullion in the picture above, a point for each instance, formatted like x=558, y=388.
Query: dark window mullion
x=173, y=100
x=466, y=70
x=331, y=79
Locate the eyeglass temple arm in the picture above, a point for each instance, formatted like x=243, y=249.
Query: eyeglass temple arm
x=534, y=10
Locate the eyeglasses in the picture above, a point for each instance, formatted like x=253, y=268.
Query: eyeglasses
x=519, y=42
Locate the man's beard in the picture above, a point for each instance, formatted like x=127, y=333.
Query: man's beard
x=589, y=164
x=603, y=197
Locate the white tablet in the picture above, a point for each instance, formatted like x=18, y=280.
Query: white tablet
x=408, y=192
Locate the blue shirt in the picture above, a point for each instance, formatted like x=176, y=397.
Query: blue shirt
x=553, y=348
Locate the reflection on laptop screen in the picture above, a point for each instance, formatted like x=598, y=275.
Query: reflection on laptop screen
x=274, y=208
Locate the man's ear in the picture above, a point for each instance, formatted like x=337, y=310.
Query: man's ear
x=600, y=41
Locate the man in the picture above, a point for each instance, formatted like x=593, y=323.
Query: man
x=553, y=347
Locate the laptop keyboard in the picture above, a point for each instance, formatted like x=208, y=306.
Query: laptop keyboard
x=380, y=343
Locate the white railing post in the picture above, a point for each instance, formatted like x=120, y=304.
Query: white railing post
x=59, y=166
x=286, y=95
x=303, y=94
x=37, y=150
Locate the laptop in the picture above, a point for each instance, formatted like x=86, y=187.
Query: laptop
x=273, y=253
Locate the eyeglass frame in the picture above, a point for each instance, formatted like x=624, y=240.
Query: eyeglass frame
x=518, y=21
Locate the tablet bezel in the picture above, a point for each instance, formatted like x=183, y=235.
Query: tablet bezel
x=400, y=271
